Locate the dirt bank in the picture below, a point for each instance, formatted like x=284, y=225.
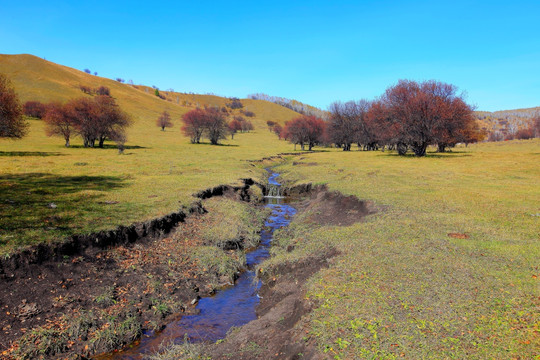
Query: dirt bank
x=97, y=292
x=277, y=333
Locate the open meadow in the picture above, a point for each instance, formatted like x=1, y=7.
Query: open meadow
x=96, y=189
x=434, y=257
x=447, y=268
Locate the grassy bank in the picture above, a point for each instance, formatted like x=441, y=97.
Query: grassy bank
x=447, y=269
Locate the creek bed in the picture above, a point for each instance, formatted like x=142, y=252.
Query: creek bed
x=233, y=306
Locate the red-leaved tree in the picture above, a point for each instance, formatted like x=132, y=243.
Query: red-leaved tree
x=12, y=124
x=34, y=109
x=304, y=130
x=415, y=115
x=164, y=120
x=97, y=119
x=194, y=124
x=216, y=125
x=58, y=122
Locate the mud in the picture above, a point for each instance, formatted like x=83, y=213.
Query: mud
x=278, y=332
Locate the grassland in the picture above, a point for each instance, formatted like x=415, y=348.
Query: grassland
x=97, y=189
x=402, y=287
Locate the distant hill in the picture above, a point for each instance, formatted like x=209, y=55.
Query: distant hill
x=507, y=121
x=37, y=79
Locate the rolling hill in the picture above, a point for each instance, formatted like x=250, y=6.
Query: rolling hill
x=159, y=172
x=38, y=79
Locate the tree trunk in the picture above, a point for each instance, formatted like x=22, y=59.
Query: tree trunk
x=401, y=148
x=67, y=141
x=441, y=147
x=420, y=149
x=101, y=141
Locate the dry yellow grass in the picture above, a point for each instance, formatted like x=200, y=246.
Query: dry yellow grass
x=158, y=173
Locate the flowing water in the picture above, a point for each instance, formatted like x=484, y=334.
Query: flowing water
x=233, y=306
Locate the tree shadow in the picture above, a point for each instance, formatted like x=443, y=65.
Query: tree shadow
x=29, y=153
x=110, y=146
x=47, y=202
x=428, y=155
x=210, y=144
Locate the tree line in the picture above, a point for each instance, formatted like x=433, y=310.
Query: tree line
x=212, y=123
x=408, y=116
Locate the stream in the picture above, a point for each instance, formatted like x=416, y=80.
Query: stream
x=233, y=306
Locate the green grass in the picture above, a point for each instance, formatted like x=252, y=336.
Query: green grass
x=402, y=286
x=232, y=221
x=96, y=189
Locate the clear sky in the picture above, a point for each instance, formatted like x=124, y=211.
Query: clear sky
x=313, y=51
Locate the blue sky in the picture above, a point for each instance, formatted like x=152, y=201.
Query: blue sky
x=315, y=52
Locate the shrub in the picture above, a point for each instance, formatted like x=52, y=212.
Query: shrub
x=86, y=89
x=235, y=104
x=34, y=109
x=103, y=90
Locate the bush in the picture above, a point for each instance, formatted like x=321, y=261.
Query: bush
x=235, y=104
x=249, y=113
x=34, y=109
x=103, y=90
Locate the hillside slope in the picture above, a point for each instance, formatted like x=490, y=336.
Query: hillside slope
x=159, y=171
x=507, y=121
x=38, y=79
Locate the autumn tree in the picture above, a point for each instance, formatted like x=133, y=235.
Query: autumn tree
x=97, y=119
x=347, y=125
x=111, y=121
x=235, y=103
x=247, y=126
x=194, y=124
x=271, y=125
x=12, y=124
x=58, y=122
x=81, y=112
x=416, y=115
x=536, y=126
x=34, y=109
x=278, y=130
x=304, y=130
x=216, y=125
x=234, y=126
x=164, y=120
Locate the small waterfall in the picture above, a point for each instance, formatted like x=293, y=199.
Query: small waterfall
x=274, y=191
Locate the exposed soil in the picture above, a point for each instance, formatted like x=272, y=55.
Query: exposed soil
x=146, y=277
x=140, y=273
x=325, y=207
x=278, y=332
